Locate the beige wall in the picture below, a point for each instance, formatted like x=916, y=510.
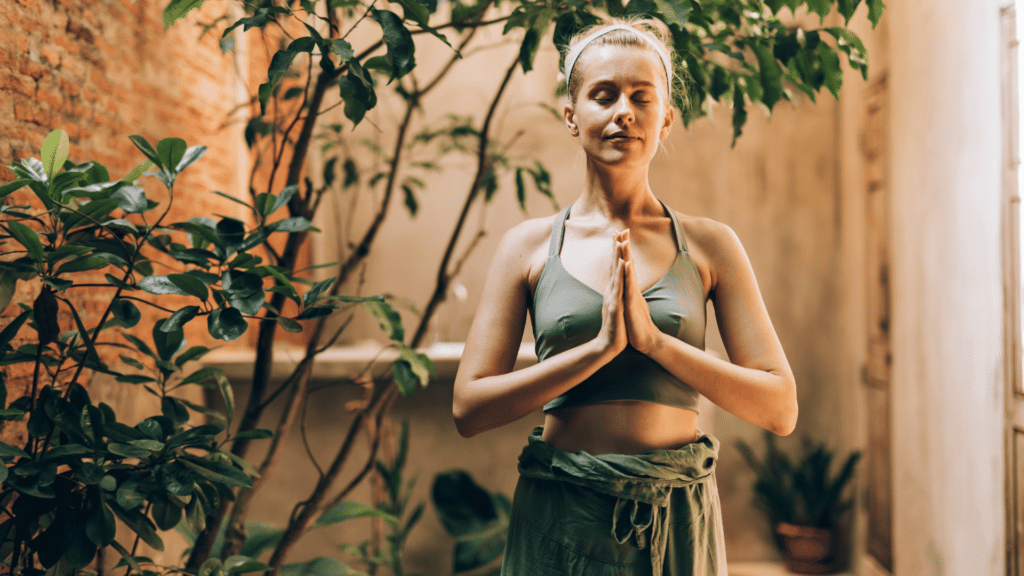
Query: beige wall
x=794, y=191
x=778, y=189
x=946, y=152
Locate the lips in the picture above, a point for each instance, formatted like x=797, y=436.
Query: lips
x=620, y=136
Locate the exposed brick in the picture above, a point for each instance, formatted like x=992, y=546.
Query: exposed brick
x=79, y=31
x=33, y=69
x=51, y=55
x=74, y=69
x=99, y=81
x=68, y=87
x=23, y=45
x=17, y=83
x=66, y=43
x=53, y=100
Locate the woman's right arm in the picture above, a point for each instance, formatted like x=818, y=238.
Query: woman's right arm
x=488, y=393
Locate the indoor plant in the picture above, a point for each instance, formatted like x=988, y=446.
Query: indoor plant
x=804, y=502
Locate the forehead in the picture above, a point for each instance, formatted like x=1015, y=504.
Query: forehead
x=620, y=64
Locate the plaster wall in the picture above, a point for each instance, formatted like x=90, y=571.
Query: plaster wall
x=778, y=189
x=947, y=284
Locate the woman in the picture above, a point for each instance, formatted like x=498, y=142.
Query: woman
x=619, y=480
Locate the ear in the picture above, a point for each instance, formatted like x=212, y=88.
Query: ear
x=670, y=116
x=570, y=120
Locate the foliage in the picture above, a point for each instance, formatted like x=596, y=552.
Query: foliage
x=736, y=52
x=802, y=492
x=476, y=519
x=81, y=467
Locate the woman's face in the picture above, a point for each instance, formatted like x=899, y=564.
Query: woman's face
x=621, y=113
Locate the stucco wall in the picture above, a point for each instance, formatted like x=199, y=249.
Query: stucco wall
x=778, y=189
x=946, y=151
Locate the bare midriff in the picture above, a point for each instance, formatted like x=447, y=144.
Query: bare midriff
x=619, y=427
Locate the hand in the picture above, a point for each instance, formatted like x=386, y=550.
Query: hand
x=643, y=334
x=612, y=336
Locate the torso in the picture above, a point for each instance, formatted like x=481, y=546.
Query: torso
x=620, y=426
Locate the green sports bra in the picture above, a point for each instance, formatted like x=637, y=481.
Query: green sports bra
x=565, y=313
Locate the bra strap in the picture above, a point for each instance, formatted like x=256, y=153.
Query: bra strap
x=680, y=239
x=558, y=232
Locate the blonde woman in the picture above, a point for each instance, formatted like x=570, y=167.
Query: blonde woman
x=619, y=480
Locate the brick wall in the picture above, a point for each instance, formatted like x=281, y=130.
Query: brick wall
x=103, y=70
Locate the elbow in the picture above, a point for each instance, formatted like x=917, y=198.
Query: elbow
x=463, y=423
x=784, y=421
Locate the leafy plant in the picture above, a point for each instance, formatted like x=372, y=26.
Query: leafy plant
x=477, y=519
x=801, y=492
x=81, y=468
x=738, y=53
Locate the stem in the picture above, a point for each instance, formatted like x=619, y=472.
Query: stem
x=443, y=276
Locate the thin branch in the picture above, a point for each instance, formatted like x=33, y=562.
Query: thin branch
x=443, y=276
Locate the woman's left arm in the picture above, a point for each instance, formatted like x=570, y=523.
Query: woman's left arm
x=758, y=384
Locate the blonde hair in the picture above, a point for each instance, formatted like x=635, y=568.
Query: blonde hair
x=647, y=34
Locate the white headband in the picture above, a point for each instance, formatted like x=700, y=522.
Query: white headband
x=574, y=53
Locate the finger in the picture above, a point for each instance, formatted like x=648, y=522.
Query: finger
x=627, y=250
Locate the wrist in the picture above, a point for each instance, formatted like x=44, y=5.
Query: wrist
x=652, y=344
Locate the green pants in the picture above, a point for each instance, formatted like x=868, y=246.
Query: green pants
x=656, y=513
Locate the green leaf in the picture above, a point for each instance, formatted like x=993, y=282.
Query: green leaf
x=226, y=324
x=178, y=9
x=227, y=394
x=146, y=148
x=389, y=318
x=139, y=524
x=242, y=565
x=410, y=199
x=9, y=450
x=28, y=238
x=874, y=15
x=14, y=186
x=83, y=264
x=820, y=7
x=8, y=284
x=168, y=343
x=291, y=224
x=289, y=325
x=171, y=151
x=216, y=471
x=313, y=294
x=54, y=152
x=770, y=75
x=190, y=285
x=131, y=199
x=851, y=44
x=100, y=526
x=192, y=153
x=138, y=171
x=126, y=313
x=128, y=451
x=342, y=48
x=256, y=434
x=160, y=285
x=165, y=515
x=739, y=112
x=193, y=353
x=830, y=67
x=178, y=320
x=261, y=537
x=398, y=40
x=343, y=511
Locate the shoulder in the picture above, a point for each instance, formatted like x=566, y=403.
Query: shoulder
x=714, y=244
x=523, y=248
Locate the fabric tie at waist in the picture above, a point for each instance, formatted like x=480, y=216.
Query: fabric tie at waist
x=642, y=484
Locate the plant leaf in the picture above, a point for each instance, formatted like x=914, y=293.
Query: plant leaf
x=54, y=152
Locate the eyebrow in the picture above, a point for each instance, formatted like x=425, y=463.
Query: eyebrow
x=603, y=83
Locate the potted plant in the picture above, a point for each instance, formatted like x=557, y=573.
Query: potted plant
x=804, y=502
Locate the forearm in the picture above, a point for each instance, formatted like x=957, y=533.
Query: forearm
x=485, y=403
x=764, y=397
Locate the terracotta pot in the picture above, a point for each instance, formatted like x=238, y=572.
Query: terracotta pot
x=810, y=550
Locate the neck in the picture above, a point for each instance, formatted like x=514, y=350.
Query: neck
x=618, y=193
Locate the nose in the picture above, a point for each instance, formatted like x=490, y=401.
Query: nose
x=623, y=111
